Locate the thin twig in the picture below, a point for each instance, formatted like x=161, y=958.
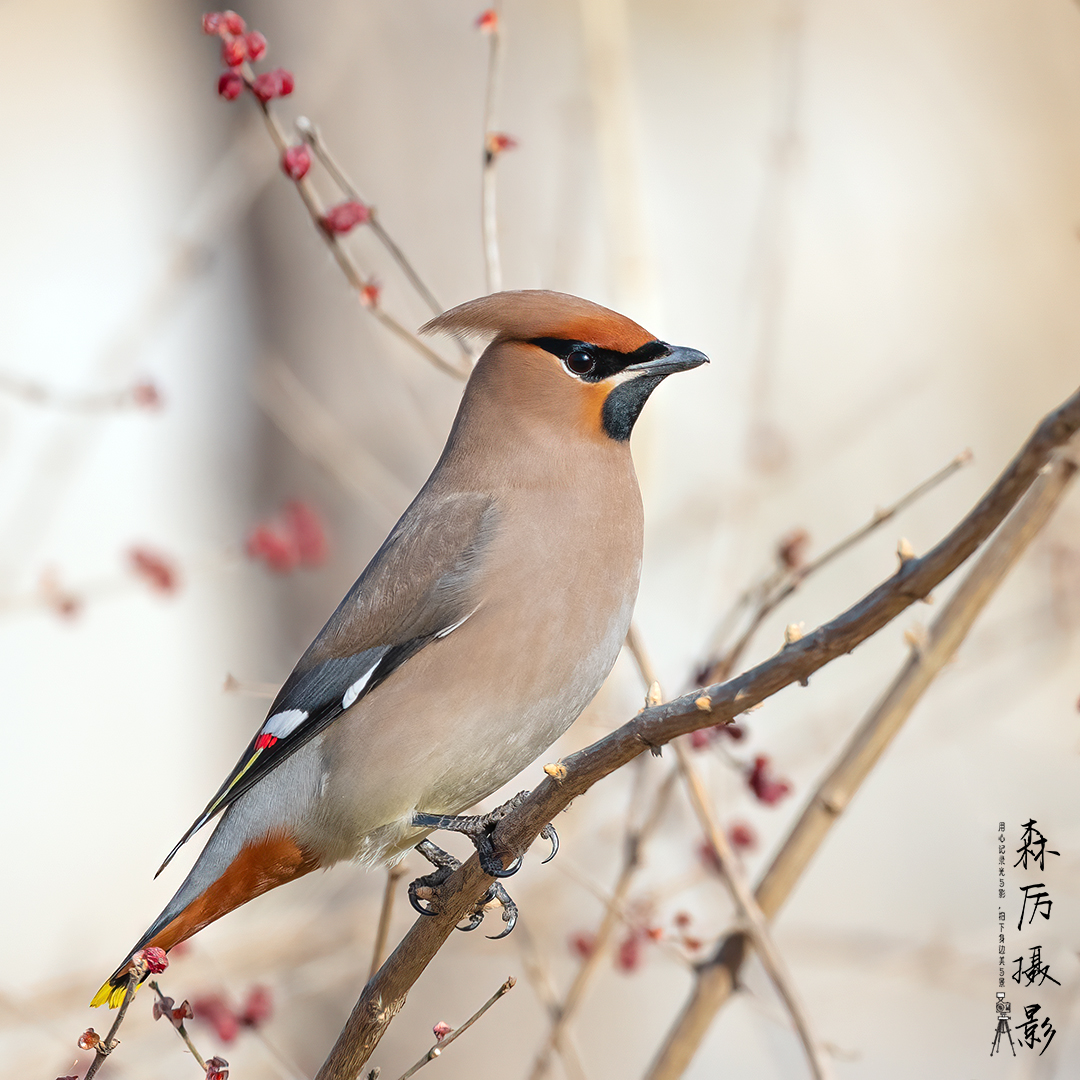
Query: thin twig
x=778, y=586
x=378, y=952
x=311, y=134
x=140, y=396
x=731, y=873
x=758, y=929
x=179, y=1027
x=717, y=977
x=341, y=254
x=110, y=1042
x=233, y=685
x=384, y=995
x=447, y=1039
x=635, y=843
x=488, y=216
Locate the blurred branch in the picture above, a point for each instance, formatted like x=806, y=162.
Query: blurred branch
x=717, y=977
x=384, y=995
x=778, y=586
x=447, y=1039
x=635, y=843
x=316, y=432
x=142, y=395
x=378, y=953
x=731, y=873
x=233, y=685
x=491, y=23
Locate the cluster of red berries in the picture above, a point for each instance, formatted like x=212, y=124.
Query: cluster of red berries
x=227, y=1022
x=769, y=789
x=238, y=46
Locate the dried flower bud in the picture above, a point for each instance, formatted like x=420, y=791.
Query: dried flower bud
x=732, y=731
x=702, y=738
x=89, y=1040
x=692, y=943
x=212, y=22
x=628, y=957
x=791, y=551
x=708, y=857
x=163, y=1007
x=369, y=294
x=583, y=944
x=150, y=960
x=255, y=44
x=233, y=52
x=497, y=142
x=344, y=217
x=441, y=1030
x=217, y=1068
x=768, y=789
x=145, y=394
x=742, y=836
x=683, y=919
x=232, y=22
x=182, y=1012
x=654, y=933
x=488, y=21
x=296, y=161
x=793, y=632
x=258, y=1007
x=157, y=570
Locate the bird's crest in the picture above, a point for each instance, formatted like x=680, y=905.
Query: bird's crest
x=537, y=313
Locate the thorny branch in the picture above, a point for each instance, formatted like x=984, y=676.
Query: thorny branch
x=770, y=593
x=384, y=995
x=717, y=977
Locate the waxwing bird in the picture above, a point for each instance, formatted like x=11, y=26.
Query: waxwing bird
x=483, y=626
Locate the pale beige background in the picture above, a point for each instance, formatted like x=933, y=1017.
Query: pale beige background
x=866, y=213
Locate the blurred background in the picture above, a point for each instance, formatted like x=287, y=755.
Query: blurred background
x=867, y=214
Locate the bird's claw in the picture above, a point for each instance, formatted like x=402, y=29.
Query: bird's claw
x=548, y=833
x=445, y=864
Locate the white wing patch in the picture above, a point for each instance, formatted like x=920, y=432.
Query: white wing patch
x=450, y=629
x=354, y=691
x=284, y=723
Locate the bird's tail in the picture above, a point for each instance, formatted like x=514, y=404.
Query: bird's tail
x=206, y=895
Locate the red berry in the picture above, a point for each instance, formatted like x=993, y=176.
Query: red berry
x=266, y=544
x=266, y=86
x=742, y=836
x=233, y=52
x=498, y=141
x=488, y=21
x=230, y=86
x=211, y=22
x=233, y=23
x=157, y=570
x=256, y=45
x=285, y=81
x=369, y=294
x=152, y=958
x=701, y=738
x=583, y=944
x=344, y=217
x=767, y=788
x=628, y=958
x=682, y=919
x=295, y=162
x=258, y=1007
x=214, y=1010
x=146, y=394
x=307, y=532
x=732, y=731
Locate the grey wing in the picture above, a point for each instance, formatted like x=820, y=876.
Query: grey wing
x=418, y=587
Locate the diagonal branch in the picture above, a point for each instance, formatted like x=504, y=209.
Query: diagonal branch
x=385, y=994
x=717, y=977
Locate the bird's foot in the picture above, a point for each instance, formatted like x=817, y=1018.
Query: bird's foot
x=479, y=828
x=424, y=889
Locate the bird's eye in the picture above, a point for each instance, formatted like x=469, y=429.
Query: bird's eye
x=581, y=362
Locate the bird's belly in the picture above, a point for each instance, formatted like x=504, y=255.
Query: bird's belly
x=466, y=714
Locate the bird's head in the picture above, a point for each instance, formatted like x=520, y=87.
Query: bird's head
x=563, y=359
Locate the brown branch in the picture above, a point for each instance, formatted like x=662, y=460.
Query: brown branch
x=167, y=1004
x=778, y=586
x=447, y=1039
x=385, y=994
x=110, y=1042
x=717, y=977
x=378, y=951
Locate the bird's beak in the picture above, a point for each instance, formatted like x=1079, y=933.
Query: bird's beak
x=677, y=359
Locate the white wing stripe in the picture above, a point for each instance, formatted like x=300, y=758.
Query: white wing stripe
x=354, y=691
x=284, y=723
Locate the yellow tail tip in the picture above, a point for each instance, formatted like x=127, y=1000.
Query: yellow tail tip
x=109, y=995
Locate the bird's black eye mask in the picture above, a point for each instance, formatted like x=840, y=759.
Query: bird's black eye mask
x=592, y=364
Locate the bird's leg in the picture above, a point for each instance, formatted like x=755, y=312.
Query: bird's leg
x=445, y=864
x=479, y=827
